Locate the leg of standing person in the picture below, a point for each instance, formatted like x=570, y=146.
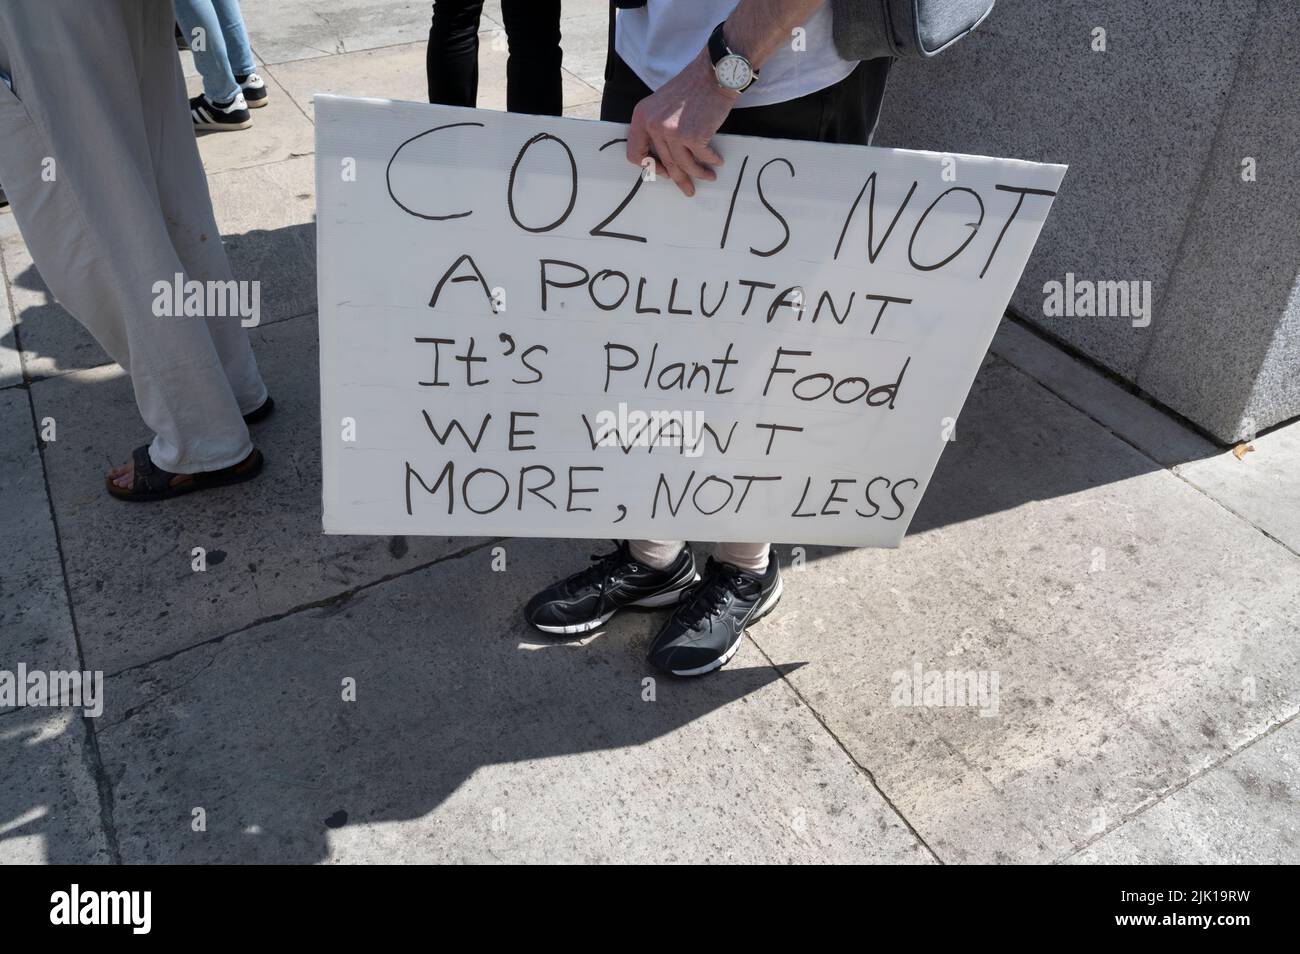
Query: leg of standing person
x=221, y=105
x=742, y=582
x=202, y=28
x=239, y=52
x=659, y=554
x=750, y=557
x=451, y=59
x=88, y=100
x=701, y=636
x=623, y=90
x=534, y=81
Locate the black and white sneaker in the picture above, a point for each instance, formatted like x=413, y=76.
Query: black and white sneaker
x=706, y=628
x=220, y=116
x=614, y=581
x=254, y=89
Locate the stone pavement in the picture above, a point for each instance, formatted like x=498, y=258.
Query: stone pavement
x=1135, y=589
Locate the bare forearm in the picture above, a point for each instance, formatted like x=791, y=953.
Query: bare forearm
x=674, y=125
x=757, y=28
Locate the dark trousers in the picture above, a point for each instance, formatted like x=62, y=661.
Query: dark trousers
x=533, y=83
x=846, y=112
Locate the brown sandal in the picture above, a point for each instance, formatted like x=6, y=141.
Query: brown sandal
x=150, y=482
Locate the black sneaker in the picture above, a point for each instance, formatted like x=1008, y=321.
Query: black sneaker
x=705, y=630
x=588, y=598
x=254, y=89
x=220, y=116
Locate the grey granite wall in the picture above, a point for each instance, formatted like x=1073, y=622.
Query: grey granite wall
x=1158, y=129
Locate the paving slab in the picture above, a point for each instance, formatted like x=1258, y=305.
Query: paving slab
x=395, y=72
x=279, y=131
x=1263, y=486
x=35, y=623
x=130, y=567
x=267, y=220
x=471, y=741
x=584, y=110
x=267, y=217
x=49, y=804
x=1140, y=632
x=398, y=73
x=282, y=30
x=1244, y=811
x=585, y=39
x=1153, y=431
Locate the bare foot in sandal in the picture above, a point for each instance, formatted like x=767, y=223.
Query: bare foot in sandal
x=123, y=477
x=142, y=480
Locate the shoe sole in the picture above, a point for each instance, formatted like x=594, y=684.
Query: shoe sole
x=223, y=127
x=666, y=598
x=256, y=103
x=762, y=610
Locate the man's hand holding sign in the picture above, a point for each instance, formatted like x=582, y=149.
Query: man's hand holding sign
x=674, y=126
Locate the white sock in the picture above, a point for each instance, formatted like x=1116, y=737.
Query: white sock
x=750, y=557
x=658, y=554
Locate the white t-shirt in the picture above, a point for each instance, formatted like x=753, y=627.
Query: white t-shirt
x=659, y=39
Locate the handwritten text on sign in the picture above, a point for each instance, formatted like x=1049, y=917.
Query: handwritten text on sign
x=522, y=335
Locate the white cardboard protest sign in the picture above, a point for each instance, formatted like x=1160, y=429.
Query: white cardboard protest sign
x=521, y=335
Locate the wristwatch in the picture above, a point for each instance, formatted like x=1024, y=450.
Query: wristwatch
x=733, y=71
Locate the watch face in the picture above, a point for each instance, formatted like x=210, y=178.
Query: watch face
x=733, y=71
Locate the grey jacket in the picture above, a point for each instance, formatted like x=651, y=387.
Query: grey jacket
x=866, y=29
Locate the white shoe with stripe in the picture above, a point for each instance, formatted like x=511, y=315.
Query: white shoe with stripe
x=254, y=89
x=220, y=116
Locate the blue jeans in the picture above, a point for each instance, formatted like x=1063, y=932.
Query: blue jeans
x=227, y=52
